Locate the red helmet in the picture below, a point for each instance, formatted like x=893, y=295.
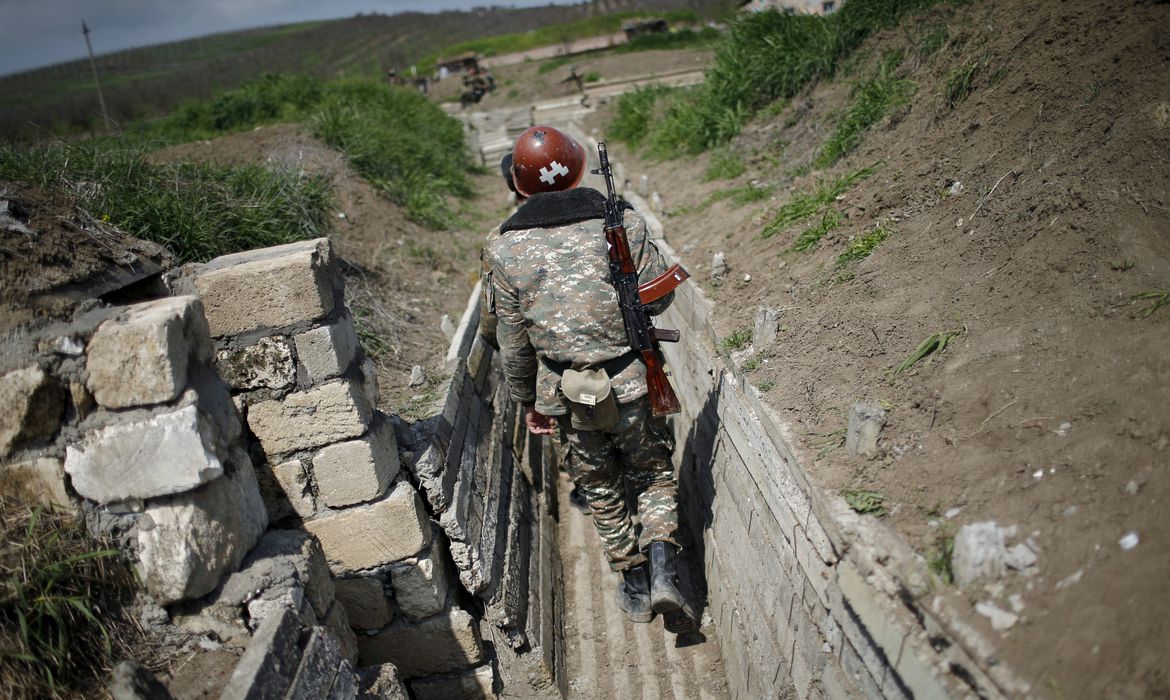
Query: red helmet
x=546, y=160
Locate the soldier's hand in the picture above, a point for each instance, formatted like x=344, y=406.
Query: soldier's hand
x=537, y=422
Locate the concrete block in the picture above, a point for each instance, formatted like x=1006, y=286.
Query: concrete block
x=33, y=406
x=369, y=381
x=269, y=663
x=865, y=424
x=163, y=454
x=306, y=419
x=365, y=602
x=421, y=583
x=292, y=478
x=473, y=683
x=266, y=364
x=364, y=537
x=441, y=644
x=319, y=663
x=337, y=622
x=44, y=479
x=297, y=287
x=280, y=558
x=187, y=542
x=326, y=352
x=359, y=470
x=345, y=683
x=142, y=357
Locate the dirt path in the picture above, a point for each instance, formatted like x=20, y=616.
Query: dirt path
x=609, y=657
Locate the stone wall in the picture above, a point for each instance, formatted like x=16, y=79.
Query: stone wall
x=493, y=492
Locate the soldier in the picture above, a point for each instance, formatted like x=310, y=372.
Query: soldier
x=568, y=361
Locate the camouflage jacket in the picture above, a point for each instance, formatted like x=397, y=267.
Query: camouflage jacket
x=550, y=289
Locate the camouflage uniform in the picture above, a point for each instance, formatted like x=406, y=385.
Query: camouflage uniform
x=556, y=307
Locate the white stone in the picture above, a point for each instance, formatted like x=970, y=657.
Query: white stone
x=359, y=470
x=268, y=363
x=293, y=479
x=765, y=327
x=305, y=419
x=166, y=453
x=418, y=376
x=865, y=424
x=186, y=543
x=1129, y=541
x=142, y=356
x=719, y=264
x=31, y=405
x=1000, y=619
x=326, y=352
x=421, y=583
x=1020, y=557
x=267, y=288
x=979, y=551
x=368, y=536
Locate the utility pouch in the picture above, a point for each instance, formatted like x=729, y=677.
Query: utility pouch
x=592, y=405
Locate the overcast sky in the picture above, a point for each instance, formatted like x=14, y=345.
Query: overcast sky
x=41, y=32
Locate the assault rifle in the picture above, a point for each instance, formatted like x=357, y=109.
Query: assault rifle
x=633, y=300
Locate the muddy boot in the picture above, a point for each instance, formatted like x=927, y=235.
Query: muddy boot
x=633, y=594
x=577, y=500
x=665, y=597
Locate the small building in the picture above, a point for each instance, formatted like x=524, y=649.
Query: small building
x=458, y=64
x=791, y=7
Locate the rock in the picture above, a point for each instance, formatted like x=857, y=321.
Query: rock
x=368, y=372
x=142, y=356
x=186, y=543
x=268, y=665
x=297, y=287
x=719, y=264
x=979, y=552
x=365, y=602
x=1131, y=488
x=359, y=470
x=1129, y=541
x=421, y=583
x=447, y=326
x=1000, y=619
x=164, y=454
x=384, y=682
x=643, y=185
x=132, y=681
x=418, y=377
x=267, y=364
x=747, y=278
x=766, y=325
x=318, y=667
x=473, y=683
x=274, y=600
x=306, y=419
x=1070, y=580
x=44, y=479
x=345, y=683
x=1020, y=557
x=865, y=424
x=337, y=622
x=656, y=202
x=296, y=496
x=364, y=537
x=33, y=404
x=441, y=644
x=326, y=352
x=281, y=560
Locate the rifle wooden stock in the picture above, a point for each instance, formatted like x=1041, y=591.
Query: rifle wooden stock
x=663, y=284
x=663, y=400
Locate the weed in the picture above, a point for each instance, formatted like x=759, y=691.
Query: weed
x=634, y=112
x=1157, y=298
x=811, y=236
x=865, y=502
x=938, y=560
x=738, y=339
x=591, y=77
x=553, y=64
x=806, y=204
x=960, y=82
x=751, y=364
x=873, y=99
x=425, y=254
x=1094, y=90
x=766, y=385
x=934, y=344
x=861, y=248
x=829, y=442
x=933, y=38
x=1122, y=265
x=725, y=164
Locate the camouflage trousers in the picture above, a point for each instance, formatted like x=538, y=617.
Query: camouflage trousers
x=634, y=454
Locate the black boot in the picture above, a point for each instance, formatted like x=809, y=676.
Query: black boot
x=665, y=597
x=633, y=594
x=577, y=500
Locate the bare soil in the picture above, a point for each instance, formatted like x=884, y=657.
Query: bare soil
x=1048, y=411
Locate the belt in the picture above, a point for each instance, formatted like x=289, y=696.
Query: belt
x=612, y=367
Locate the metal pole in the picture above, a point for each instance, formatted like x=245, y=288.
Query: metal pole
x=96, y=82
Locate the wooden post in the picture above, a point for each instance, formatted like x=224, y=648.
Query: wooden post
x=93, y=65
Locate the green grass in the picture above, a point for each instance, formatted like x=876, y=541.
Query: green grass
x=938, y=559
x=1157, y=298
x=59, y=594
x=737, y=340
x=873, y=99
x=681, y=39
x=766, y=385
x=865, y=502
x=808, y=240
x=634, y=113
x=553, y=64
x=741, y=195
x=725, y=164
x=806, y=204
x=934, y=344
x=862, y=246
x=961, y=81
x=198, y=211
x=764, y=57
x=591, y=77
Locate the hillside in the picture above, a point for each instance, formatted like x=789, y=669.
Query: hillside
x=1018, y=199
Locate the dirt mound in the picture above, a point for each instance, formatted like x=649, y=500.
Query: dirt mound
x=1031, y=218
x=53, y=255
